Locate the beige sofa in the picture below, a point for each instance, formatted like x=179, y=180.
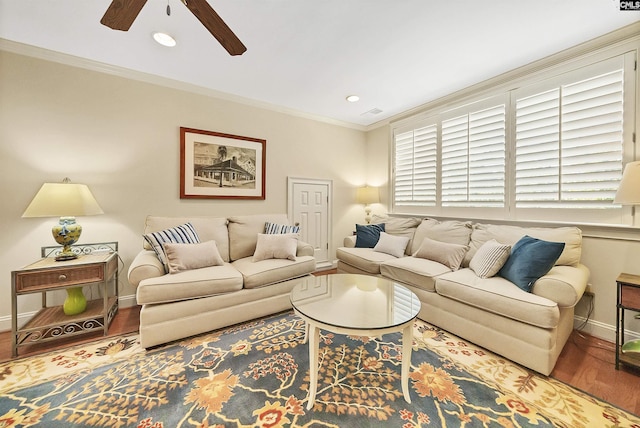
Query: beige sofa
x=529, y=328
x=193, y=301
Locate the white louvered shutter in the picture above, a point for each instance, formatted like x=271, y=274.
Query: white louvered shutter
x=569, y=144
x=473, y=158
x=415, y=166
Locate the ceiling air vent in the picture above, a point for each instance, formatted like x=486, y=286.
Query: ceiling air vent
x=372, y=111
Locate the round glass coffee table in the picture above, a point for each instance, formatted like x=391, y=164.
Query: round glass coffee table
x=359, y=305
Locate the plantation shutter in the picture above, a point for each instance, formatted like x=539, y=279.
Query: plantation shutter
x=569, y=145
x=415, y=166
x=473, y=158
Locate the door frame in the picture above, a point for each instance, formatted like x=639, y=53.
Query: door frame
x=291, y=181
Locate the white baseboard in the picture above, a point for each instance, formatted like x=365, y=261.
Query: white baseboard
x=5, y=322
x=127, y=301
x=601, y=330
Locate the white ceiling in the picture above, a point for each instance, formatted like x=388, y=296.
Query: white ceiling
x=308, y=55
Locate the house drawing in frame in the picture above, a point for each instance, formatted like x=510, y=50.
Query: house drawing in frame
x=216, y=165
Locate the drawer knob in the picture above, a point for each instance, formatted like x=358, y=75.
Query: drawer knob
x=62, y=277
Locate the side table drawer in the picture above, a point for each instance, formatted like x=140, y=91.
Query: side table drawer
x=29, y=281
x=630, y=296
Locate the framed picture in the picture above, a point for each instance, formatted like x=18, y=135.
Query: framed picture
x=221, y=166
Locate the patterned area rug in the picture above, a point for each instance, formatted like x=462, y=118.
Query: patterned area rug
x=256, y=375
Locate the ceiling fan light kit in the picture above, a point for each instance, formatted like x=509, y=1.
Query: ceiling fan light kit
x=121, y=14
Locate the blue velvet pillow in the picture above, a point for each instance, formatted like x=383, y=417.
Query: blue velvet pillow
x=367, y=235
x=530, y=259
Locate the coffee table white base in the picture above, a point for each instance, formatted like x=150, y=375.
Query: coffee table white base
x=313, y=328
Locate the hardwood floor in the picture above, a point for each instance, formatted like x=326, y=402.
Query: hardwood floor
x=586, y=363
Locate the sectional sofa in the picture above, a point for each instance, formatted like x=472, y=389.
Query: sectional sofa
x=463, y=286
x=196, y=274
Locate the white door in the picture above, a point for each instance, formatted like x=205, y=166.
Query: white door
x=309, y=207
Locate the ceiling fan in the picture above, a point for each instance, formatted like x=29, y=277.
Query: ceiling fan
x=121, y=14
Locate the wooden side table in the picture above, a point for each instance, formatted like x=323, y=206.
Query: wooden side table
x=628, y=299
x=50, y=322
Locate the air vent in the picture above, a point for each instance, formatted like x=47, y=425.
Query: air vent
x=372, y=111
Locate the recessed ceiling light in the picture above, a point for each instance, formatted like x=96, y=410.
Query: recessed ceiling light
x=164, y=39
x=353, y=98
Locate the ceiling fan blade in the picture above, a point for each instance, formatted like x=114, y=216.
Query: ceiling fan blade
x=216, y=26
x=121, y=14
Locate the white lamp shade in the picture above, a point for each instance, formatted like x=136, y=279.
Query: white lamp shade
x=367, y=195
x=63, y=200
x=629, y=190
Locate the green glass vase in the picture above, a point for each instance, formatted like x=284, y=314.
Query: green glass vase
x=75, y=302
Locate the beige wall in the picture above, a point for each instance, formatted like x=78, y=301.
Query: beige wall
x=121, y=137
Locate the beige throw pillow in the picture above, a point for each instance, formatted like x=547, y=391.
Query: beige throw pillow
x=450, y=255
x=192, y=256
x=490, y=258
x=389, y=244
x=279, y=246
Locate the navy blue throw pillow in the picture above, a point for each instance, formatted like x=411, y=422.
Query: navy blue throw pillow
x=530, y=259
x=367, y=235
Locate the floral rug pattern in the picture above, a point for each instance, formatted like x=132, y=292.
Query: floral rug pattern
x=256, y=375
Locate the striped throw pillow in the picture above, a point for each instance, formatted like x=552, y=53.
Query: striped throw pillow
x=274, y=228
x=490, y=258
x=183, y=234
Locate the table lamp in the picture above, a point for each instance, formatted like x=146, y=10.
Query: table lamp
x=65, y=200
x=629, y=189
x=367, y=196
x=629, y=194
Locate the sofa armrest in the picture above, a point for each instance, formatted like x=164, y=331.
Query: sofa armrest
x=349, y=241
x=145, y=265
x=564, y=285
x=304, y=249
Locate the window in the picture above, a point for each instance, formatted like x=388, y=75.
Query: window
x=415, y=166
x=556, y=142
x=473, y=158
x=568, y=145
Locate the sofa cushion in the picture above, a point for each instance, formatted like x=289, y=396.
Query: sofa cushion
x=189, y=284
x=389, y=244
x=364, y=259
x=490, y=258
x=367, y=235
x=530, y=259
x=243, y=232
x=450, y=255
x=192, y=256
x=571, y=236
x=398, y=226
x=450, y=231
x=420, y=273
x=207, y=228
x=499, y=296
x=276, y=246
x=181, y=234
x=270, y=271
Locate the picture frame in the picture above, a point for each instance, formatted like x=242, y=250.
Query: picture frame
x=214, y=165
